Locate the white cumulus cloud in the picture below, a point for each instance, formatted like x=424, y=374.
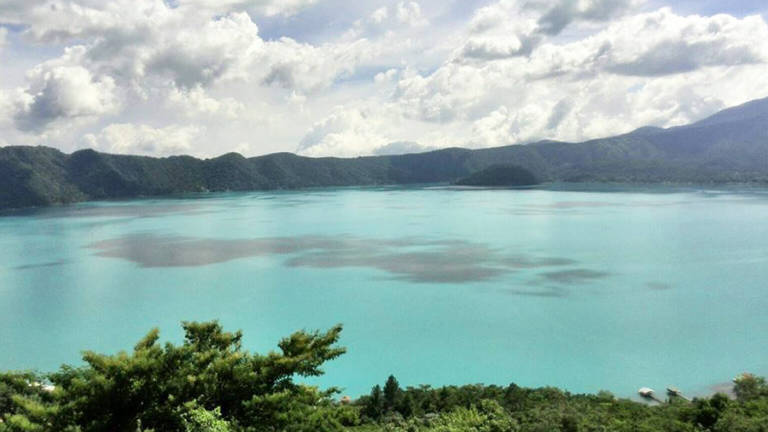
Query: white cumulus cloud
x=63, y=93
x=346, y=132
x=126, y=138
x=209, y=76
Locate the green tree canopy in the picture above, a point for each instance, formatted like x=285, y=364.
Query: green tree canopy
x=151, y=387
x=210, y=384
x=391, y=393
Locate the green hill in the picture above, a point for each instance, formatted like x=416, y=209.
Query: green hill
x=500, y=175
x=729, y=147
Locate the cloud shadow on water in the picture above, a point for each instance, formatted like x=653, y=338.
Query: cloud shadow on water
x=413, y=259
x=547, y=292
x=658, y=286
x=43, y=265
x=574, y=205
x=441, y=263
x=574, y=276
x=112, y=211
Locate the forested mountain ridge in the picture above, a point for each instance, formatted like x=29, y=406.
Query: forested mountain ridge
x=730, y=146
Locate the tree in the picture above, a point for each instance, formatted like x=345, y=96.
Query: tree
x=25, y=402
x=407, y=406
x=375, y=404
x=391, y=393
x=210, y=384
x=708, y=411
x=152, y=386
x=16, y=385
x=201, y=420
x=748, y=387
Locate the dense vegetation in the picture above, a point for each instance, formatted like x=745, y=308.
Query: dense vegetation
x=731, y=146
x=210, y=384
x=500, y=175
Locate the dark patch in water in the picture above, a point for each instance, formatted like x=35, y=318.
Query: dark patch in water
x=173, y=251
x=442, y=263
x=40, y=265
x=658, y=286
x=411, y=258
x=571, y=205
x=127, y=210
x=524, y=262
x=573, y=277
x=576, y=204
x=548, y=292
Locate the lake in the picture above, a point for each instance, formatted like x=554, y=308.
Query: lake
x=588, y=288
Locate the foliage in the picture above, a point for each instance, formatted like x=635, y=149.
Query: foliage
x=210, y=384
x=153, y=386
x=500, y=175
x=391, y=394
x=202, y=420
x=512, y=408
x=748, y=387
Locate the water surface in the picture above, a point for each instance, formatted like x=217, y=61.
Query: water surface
x=599, y=288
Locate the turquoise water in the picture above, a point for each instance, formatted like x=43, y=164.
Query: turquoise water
x=598, y=288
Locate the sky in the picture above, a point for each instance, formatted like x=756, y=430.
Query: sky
x=350, y=78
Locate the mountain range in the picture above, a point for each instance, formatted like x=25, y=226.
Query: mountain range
x=728, y=147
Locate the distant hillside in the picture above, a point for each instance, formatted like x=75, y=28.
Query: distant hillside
x=731, y=146
x=500, y=175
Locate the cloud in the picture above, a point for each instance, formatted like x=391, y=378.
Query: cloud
x=501, y=30
x=490, y=48
x=222, y=49
x=656, y=44
x=410, y=13
x=3, y=35
x=510, y=28
x=346, y=132
x=651, y=68
x=522, y=125
x=196, y=102
x=379, y=15
x=7, y=108
x=62, y=20
x=177, y=54
x=401, y=147
x=197, y=43
x=63, y=93
x=125, y=138
x=229, y=48
x=293, y=65
x=267, y=8
x=564, y=12
x=387, y=19
x=663, y=43
x=447, y=94
x=510, y=126
x=490, y=17
x=389, y=74
x=14, y=11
